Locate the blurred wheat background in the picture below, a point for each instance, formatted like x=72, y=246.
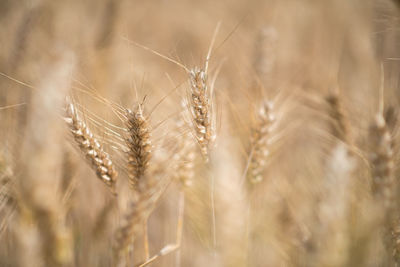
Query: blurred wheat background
x=199, y=133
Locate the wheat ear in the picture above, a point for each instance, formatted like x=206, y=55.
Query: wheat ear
x=92, y=149
x=340, y=127
x=260, y=142
x=200, y=104
x=383, y=183
x=139, y=145
x=382, y=161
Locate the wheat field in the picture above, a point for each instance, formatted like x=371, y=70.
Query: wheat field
x=199, y=133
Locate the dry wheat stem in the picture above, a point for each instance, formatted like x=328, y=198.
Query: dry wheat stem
x=179, y=232
x=164, y=251
x=90, y=147
x=134, y=218
x=137, y=214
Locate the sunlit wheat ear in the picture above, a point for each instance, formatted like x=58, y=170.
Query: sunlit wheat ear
x=91, y=148
x=260, y=142
x=201, y=109
x=139, y=145
x=381, y=159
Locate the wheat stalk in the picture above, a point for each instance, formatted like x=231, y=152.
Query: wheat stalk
x=99, y=160
x=132, y=225
x=136, y=215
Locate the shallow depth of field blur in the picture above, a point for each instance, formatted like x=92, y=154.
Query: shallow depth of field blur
x=320, y=187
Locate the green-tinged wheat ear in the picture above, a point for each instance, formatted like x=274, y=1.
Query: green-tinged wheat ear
x=91, y=148
x=139, y=145
x=201, y=109
x=260, y=142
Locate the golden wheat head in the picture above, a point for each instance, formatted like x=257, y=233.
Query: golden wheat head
x=99, y=160
x=139, y=145
x=200, y=104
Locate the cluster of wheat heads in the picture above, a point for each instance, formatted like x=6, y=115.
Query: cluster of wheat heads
x=191, y=157
x=278, y=150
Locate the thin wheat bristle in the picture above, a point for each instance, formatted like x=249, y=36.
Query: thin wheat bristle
x=260, y=142
x=201, y=109
x=100, y=160
x=139, y=145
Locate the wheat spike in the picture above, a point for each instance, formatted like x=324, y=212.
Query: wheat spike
x=139, y=145
x=201, y=109
x=383, y=183
x=340, y=125
x=382, y=161
x=99, y=160
x=260, y=142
